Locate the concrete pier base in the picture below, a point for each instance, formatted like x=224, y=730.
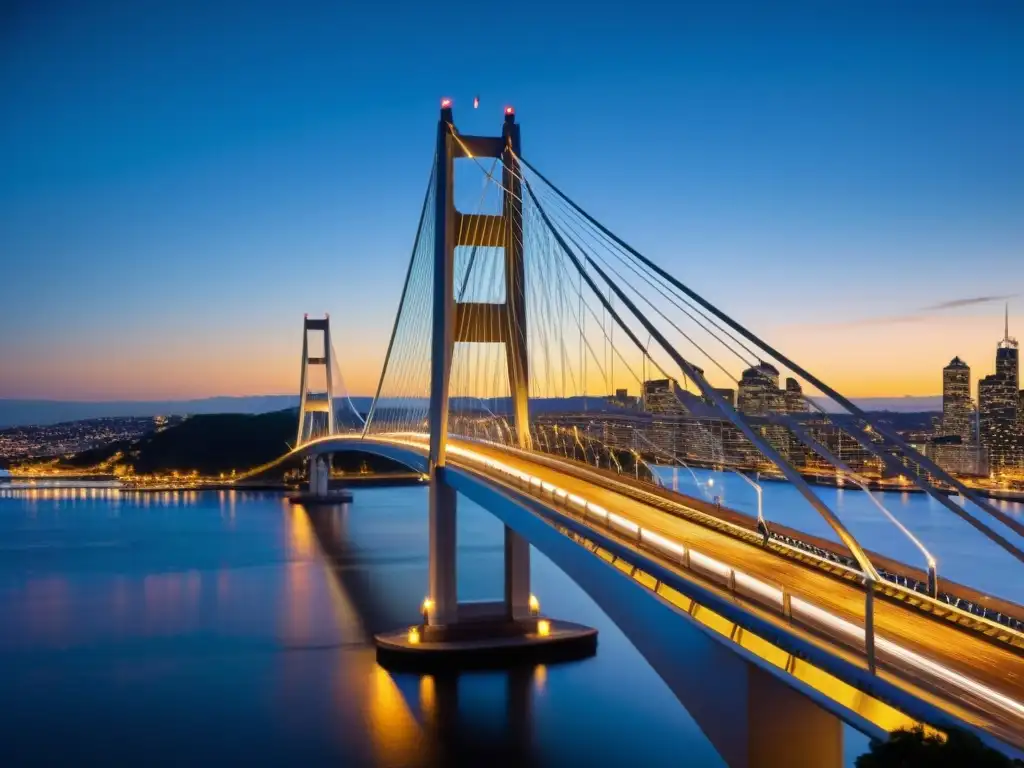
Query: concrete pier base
x=311, y=498
x=459, y=635
x=484, y=643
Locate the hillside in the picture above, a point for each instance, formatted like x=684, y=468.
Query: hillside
x=212, y=444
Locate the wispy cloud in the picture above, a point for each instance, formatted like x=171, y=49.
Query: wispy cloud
x=955, y=303
x=918, y=316
x=866, y=321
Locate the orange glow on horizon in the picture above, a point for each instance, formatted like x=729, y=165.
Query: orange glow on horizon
x=879, y=360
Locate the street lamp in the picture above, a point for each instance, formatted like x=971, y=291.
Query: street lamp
x=933, y=577
x=757, y=487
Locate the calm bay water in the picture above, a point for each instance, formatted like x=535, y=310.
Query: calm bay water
x=221, y=626
x=208, y=628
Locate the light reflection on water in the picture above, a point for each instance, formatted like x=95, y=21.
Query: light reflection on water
x=210, y=628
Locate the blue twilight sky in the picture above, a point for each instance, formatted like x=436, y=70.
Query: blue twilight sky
x=180, y=181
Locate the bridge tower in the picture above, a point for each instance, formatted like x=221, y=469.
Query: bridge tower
x=311, y=404
x=481, y=323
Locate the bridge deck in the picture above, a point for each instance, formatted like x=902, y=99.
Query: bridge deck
x=999, y=667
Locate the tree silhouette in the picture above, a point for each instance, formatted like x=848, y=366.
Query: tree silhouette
x=913, y=748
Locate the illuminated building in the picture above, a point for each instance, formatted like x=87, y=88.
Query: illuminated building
x=1008, y=357
x=622, y=399
x=759, y=391
x=956, y=401
x=999, y=404
x=794, y=396
x=957, y=457
x=727, y=394
x=661, y=397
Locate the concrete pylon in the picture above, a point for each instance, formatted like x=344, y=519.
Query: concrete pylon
x=312, y=403
x=319, y=476
x=475, y=323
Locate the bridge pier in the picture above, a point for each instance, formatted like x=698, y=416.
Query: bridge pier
x=319, y=476
x=753, y=716
x=319, y=492
x=517, y=575
x=443, y=608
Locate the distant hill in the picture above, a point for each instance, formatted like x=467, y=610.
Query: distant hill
x=214, y=443
x=14, y=413
x=905, y=404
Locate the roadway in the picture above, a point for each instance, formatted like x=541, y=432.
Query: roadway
x=994, y=665
x=972, y=678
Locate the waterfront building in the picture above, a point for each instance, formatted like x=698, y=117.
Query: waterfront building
x=759, y=392
x=1008, y=356
x=661, y=397
x=622, y=399
x=997, y=420
x=794, y=397
x=956, y=401
x=958, y=457
x=999, y=406
x=729, y=395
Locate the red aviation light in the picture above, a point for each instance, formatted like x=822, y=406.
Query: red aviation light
x=509, y=111
x=446, y=103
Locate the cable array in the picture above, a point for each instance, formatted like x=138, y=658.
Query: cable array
x=625, y=364
x=403, y=394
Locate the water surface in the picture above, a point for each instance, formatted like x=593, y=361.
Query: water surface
x=209, y=627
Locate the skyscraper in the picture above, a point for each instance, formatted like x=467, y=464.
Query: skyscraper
x=998, y=404
x=759, y=391
x=794, y=396
x=956, y=400
x=1008, y=356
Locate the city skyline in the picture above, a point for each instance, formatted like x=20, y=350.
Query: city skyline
x=175, y=177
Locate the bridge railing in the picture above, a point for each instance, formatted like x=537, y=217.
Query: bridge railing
x=894, y=585
x=905, y=594
x=795, y=609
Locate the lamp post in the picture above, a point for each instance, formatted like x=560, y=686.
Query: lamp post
x=760, y=500
x=933, y=576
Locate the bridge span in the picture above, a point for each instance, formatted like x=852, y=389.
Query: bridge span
x=530, y=298
x=929, y=668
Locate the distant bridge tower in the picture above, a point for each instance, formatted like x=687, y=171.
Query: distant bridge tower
x=316, y=409
x=466, y=322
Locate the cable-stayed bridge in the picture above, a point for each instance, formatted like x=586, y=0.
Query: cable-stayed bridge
x=514, y=294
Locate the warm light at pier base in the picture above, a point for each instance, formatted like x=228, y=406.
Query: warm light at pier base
x=414, y=635
x=534, y=605
x=427, y=607
x=543, y=627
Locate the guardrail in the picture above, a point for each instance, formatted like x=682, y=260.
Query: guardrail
x=743, y=586
x=776, y=598
x=1002, y=629
x=994, y=625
